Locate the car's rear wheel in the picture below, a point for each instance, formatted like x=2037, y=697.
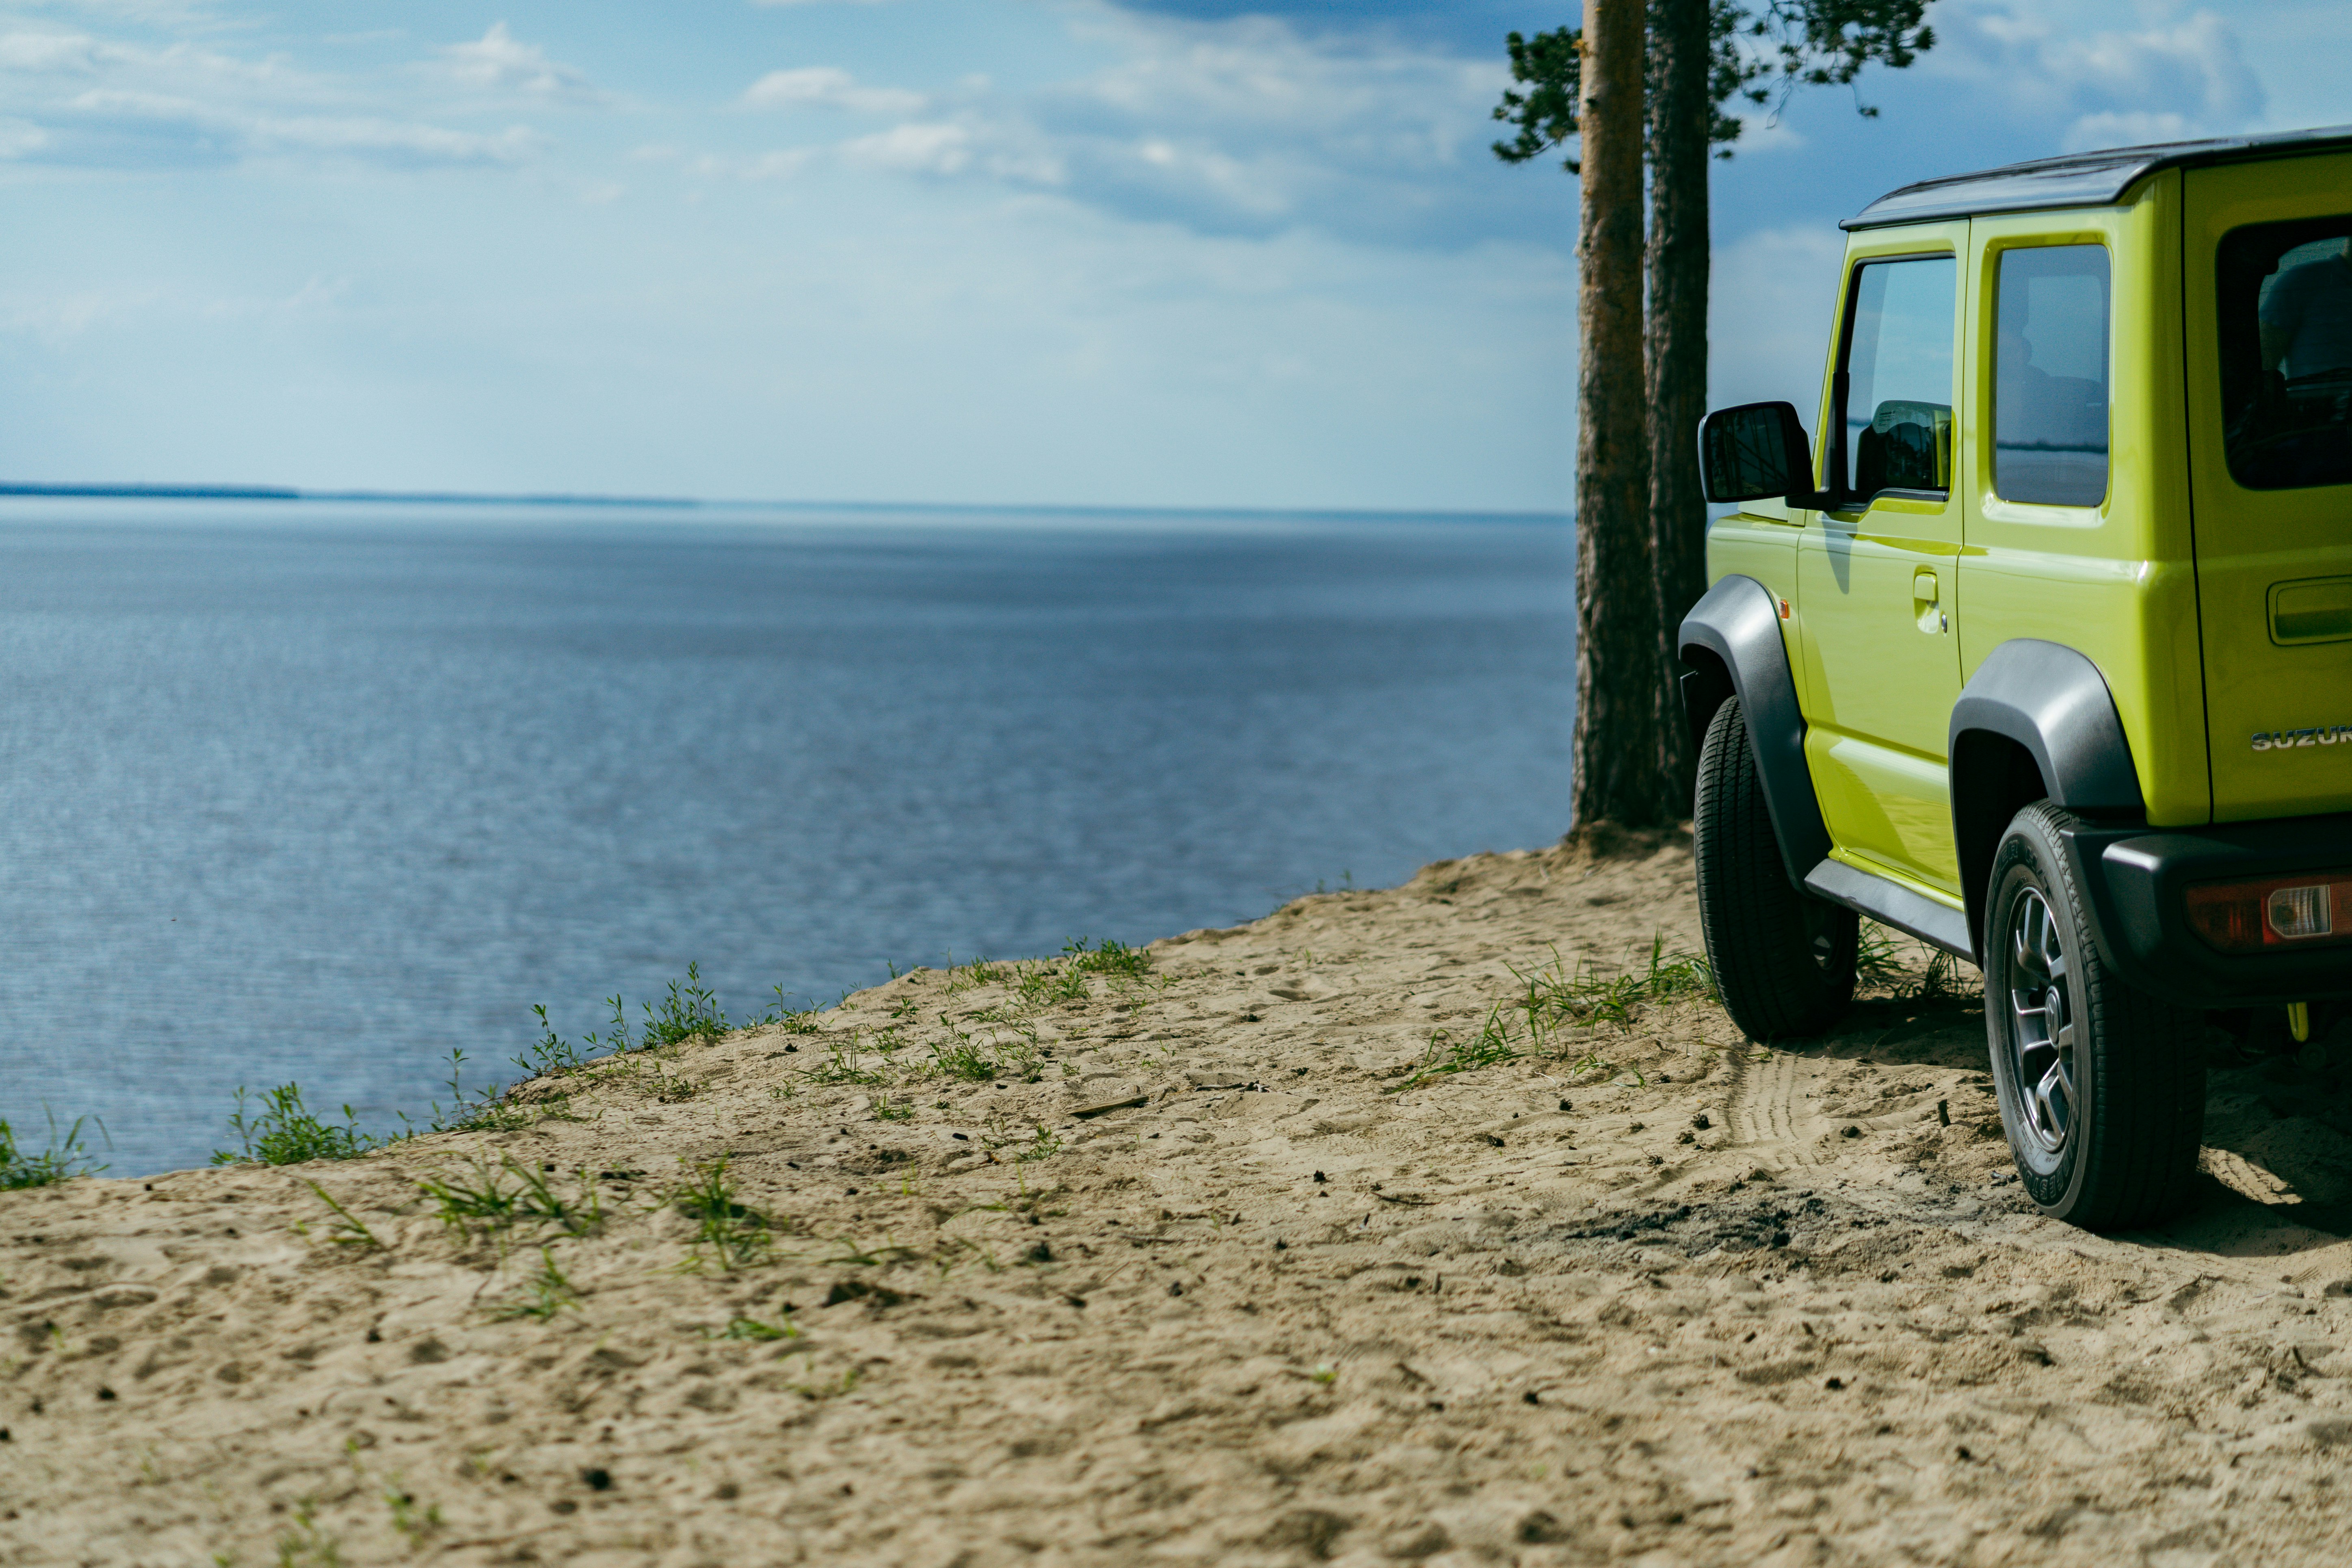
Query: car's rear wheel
x=2102, y=1086
x=1783, y=960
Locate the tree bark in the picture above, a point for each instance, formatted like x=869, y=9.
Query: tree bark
x=1617, y=668
x=1682, y=113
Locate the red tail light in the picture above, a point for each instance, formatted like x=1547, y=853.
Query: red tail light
x=2309, y=908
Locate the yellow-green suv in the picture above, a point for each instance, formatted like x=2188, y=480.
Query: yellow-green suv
x=2045, y=658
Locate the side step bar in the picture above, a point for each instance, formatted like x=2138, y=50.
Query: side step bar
x=1892, y=904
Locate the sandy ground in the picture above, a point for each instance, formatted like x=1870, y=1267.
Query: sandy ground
x=1228, y=1282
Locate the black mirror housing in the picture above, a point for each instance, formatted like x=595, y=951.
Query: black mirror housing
x=1756, y=451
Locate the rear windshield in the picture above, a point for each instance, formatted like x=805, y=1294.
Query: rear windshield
x=2286, y=353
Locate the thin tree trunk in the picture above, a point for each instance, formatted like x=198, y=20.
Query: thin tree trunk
x=1617, y=670
x=1681, y=114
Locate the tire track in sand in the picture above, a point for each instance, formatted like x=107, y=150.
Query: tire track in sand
x=1766, y=1113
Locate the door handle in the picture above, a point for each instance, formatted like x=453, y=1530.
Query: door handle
x=1927, y=606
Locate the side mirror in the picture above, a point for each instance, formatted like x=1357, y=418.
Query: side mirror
x=1754, y=452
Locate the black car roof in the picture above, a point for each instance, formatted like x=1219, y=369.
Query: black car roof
x=2079, y=179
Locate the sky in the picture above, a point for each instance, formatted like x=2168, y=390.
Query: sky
x=1183, y=253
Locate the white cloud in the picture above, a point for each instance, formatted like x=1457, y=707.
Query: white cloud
x=2161, y=82
x=2303, y=46
x=37, y=54
x=70, y=312
x=913, y=150
x=397, y=141
x=2134, y=129
x=78, y=99
x=363, y=137
x=43, y=52
x=499, y=63
x=824, y=87
x=19, y=137
x=1244, y=124
x=780, y=165
x=777, y=165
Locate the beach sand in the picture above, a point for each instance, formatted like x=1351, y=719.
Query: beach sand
x=1235, y=1280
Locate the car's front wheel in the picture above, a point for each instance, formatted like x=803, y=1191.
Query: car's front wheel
x=2102, y=1086
x=1783, y=960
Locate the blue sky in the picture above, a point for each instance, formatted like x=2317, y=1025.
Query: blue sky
x=1172, y=252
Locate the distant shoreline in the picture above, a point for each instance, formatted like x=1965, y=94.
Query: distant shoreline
x=110, y=491
x=286, y=493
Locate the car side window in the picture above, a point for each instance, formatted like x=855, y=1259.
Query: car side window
x=2050, y=376
x=1896, y=429
x=2286, y=353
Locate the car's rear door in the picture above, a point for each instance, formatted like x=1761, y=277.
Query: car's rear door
x=2268, y=318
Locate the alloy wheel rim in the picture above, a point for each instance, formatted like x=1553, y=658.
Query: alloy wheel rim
x=2041, y=1032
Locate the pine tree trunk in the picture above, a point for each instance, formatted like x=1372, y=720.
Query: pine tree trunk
x=1681, y=114
x=1617, y=668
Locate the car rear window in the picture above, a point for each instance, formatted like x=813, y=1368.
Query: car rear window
x=2286, y=353
x=2050, y=376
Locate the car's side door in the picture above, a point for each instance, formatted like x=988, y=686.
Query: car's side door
x=1875, y=569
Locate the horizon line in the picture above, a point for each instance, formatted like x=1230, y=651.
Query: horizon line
x=176, y=491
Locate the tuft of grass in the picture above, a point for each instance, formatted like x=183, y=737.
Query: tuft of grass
x=348, y=1231
x=843, y=1065
x=284, y=1131
x=304, y=1544
x=64, y=1159
x=690, y=1012
x=1875, y=961
x=1551, y=998
x=1021, y=1059
x=544, y=1294
x=1108, y=957
x=674, y=1087
x=888, y=1109
x=831, y=1388
x=852, y=1254
x=736, y=1235
x=1047, y=983
x=793, y=1020
x=754, y=1330
x=1936, y=982
x=481, y=1202
x=1043, y=1146
x=552, y=1053
x=1491, y=1047
x=965, y=1060
x=411, y=1521
x=489, y=1111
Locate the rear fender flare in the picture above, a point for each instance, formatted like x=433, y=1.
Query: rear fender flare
x=1731, y=642
x=2053, y=703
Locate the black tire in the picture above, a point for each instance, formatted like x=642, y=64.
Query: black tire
x=1783, y=960
x=2102, y=1086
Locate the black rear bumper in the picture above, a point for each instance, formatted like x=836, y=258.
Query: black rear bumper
x=2135, y=878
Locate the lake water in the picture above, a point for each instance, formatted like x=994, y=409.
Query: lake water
x=319, y=791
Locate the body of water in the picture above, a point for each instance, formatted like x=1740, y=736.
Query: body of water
x=317, y=793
